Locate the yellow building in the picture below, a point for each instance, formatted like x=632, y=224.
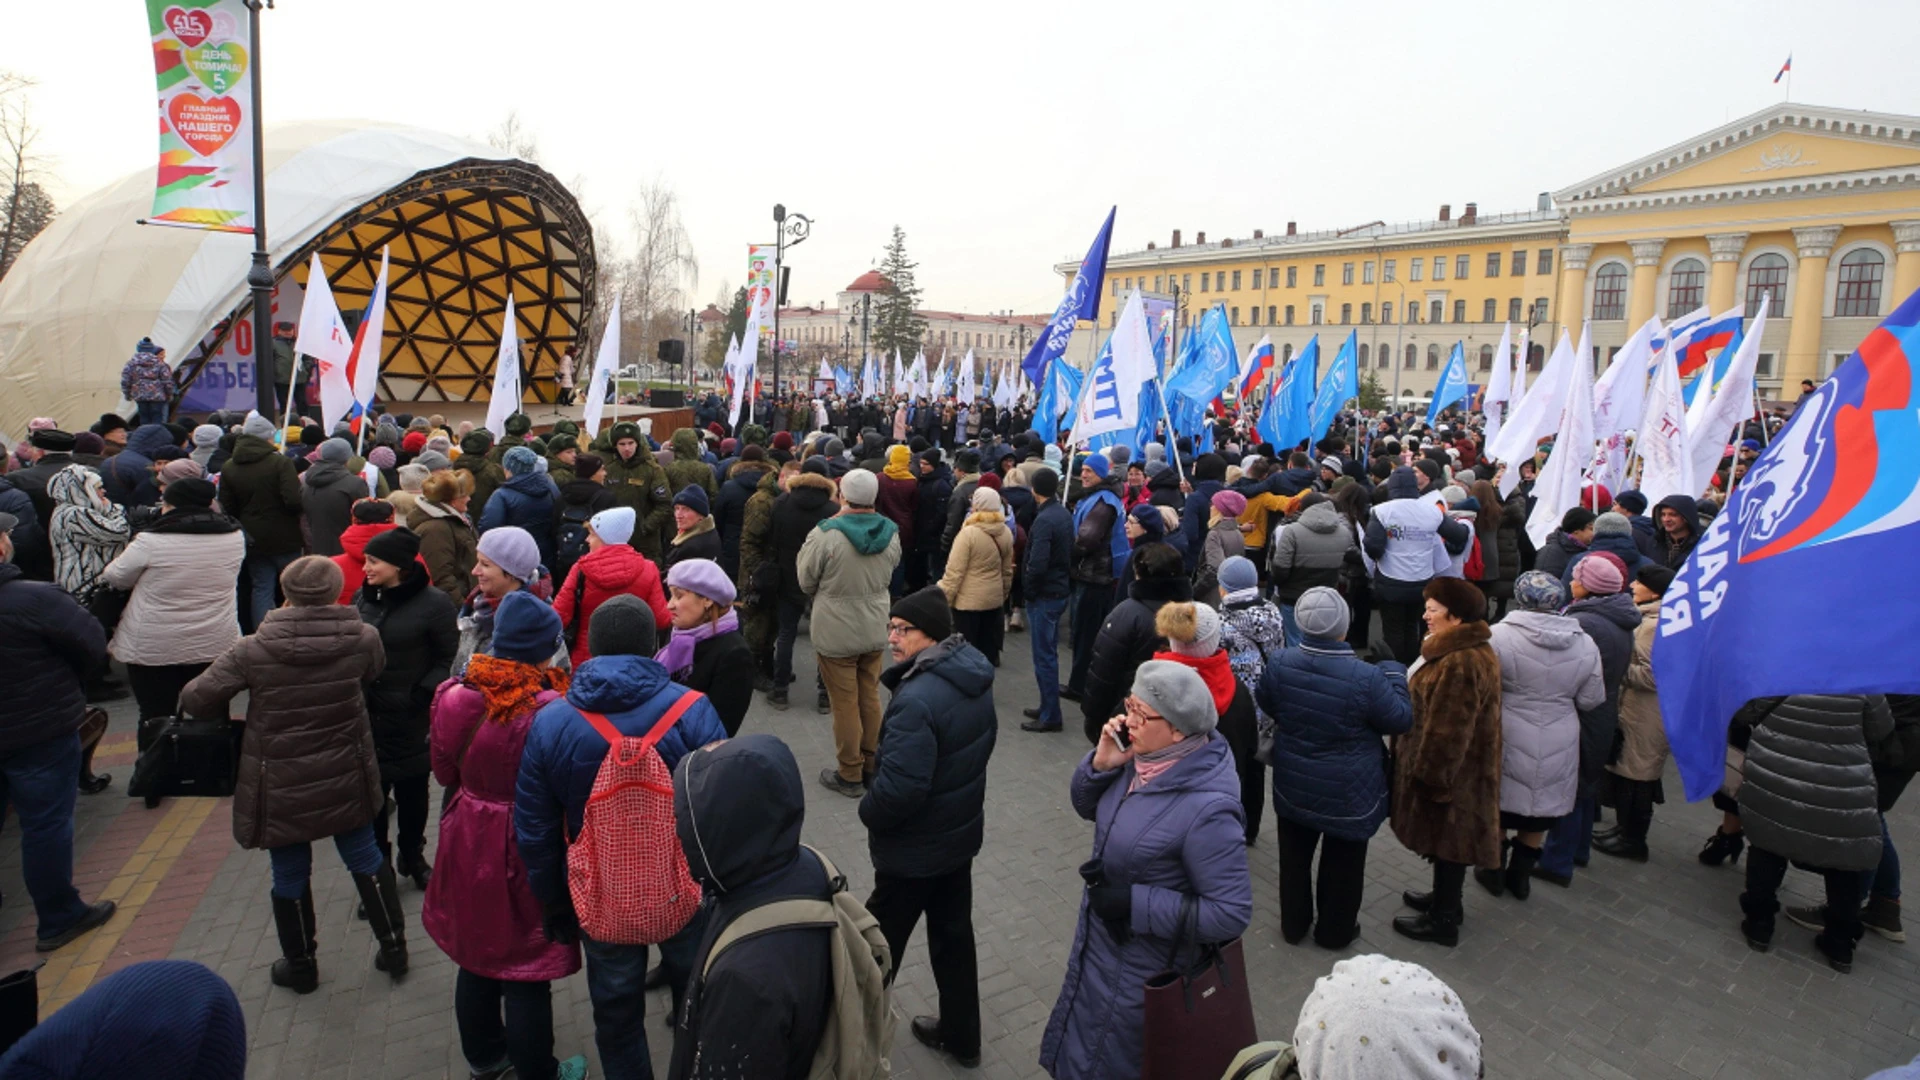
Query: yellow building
x=1817, y=207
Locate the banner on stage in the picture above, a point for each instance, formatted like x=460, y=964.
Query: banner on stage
x=201, y=67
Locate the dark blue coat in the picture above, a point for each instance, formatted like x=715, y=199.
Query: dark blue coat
x=930, y=517
x=1193, y=521
x=1621, y=544
x=563, y=754
x=730, y=514
x=1049, y=569
x=925, y=808
x=1329, y=710
x=525, y=502
x=48, y=644
x=129, y=475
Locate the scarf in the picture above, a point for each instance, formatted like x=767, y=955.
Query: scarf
x=1117, y=543
x=704, y=525
x=1149, y=765
x=1216, y=670
x=87, y=532
x=510, y=686
x=677, y=657
x=898, y=467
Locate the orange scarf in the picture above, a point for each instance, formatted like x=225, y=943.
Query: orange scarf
x=510, y=686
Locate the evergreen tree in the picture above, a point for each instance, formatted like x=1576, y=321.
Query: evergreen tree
x=736, y=324
x=1372, y=394
x=897, y=324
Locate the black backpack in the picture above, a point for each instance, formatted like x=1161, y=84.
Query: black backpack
x=570, y=538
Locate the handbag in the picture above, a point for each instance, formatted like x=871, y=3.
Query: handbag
x=187, y=757
x=19, y=1005
x=107, y=605
x=1196, y=1020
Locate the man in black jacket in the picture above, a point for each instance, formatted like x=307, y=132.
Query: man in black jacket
x=1048, y=580
x=50, y=644
x=261, y=488
x=1095, y=516
x=809, y=501
x=925, y=808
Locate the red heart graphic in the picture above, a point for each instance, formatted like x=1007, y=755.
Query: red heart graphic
x=191, y=27
x=205, y=124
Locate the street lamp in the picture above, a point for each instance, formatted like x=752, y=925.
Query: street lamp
x=789, y=230
x=692, y=323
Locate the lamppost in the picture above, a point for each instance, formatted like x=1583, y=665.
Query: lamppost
x=789, y=230
x=692, y=324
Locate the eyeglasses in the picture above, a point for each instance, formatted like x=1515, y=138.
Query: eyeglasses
x=900, y=629
x=1138, y=708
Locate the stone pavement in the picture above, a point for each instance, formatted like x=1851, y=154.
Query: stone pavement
x=1636, y=971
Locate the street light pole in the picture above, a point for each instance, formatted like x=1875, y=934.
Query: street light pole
x=260, y=274
x=786, y=233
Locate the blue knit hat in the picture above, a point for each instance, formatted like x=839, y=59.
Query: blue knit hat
x=525, y=628
x=694, y=497
x=1238, y=573
x=1099, y=464
x=520, y=461
x=159, y=1020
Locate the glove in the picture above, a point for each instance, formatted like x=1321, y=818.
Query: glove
x=1112, y=903
x=561, y=925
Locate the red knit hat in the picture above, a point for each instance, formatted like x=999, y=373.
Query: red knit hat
x=413, y=441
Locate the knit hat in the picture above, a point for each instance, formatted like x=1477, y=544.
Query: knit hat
x=1612, y=524
x=512, y=549
x=1537, y=590
x=159, y=1020
x=860, y=488
x=1453, y=494
x=1178, y=693
x=1046, y=483
x=926, y=611
x=1209, y=467
x=1119, y=455
x=622, y=626
x=1190, y=629
x=1099, y=464
x=1331, y=462
x=1148, y=517
x=413, y=441
x=1051, y=455
x=86, y=442
x=1374, y=1016
x=519, y=461
x=1238, y=573
x=1322, y=613
x=395, y=547
x=986, y=500
x=189, y=493
x=1632, y=502
x=525, y=628
x=311, y=581
x=694, y=497
x=433, y=460
x=181, y=469
x=751, y=452
x=1576, y=519
x=372, y=511
x=1599, y=576
x=702, y=577
x=1231, y=504
x=1156, y=451
x=336, y=450
x=206, y=437
x=586, y=466
x=614, y=525
x=382, y=457
x=783, y=440
x=990, y=481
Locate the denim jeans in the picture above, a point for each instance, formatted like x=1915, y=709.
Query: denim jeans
x=790, y=613
x=263, y=578
x=617, y=983
x=1570, y=839
x=39, y=779
x=150, y=412
x=1289, y=626
x=1885, y=879
x=1043, y=627
x=293, y=863
x=525, y=1037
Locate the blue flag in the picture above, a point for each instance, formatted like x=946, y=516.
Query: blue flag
x=1058, y=392
x=1341, y=383
x=1081, y=302
x=1215, y=360
x=1453, y=384
x=1271, y=427
x=1294, y=399
x=1828, y=514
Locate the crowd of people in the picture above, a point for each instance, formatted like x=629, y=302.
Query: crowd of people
x=565, y=632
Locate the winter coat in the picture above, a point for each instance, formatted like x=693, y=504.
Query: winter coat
x=1643, y=745
x=807, y=503
x=1048, y=574
x=1193, y=520
x=49, y=645
x=599, y=576
x=418, y=627
x=1557, y=554
x=730, y=511
x=925, y=807
x=563, y=754
x=526, y=502
x=487, y=478
x=1251, y=630
x=1330, y=710
x=846, y=565
x=1223, y=542
x=1512, y=525
x=35, y=478
x=699, y=542
x=1809, y=794
x=85, y=534
x=479, y=908
x=29, y=533
x=1126, y=640
x=307, y=764
x=718, y=666
x=1669, y=552
x=328, y=492
x=130, y=473
x=1092, y=541
x=1311, y=552
x=181, y=571
x=759, y=576
x=959, y=505
x=1446, y=781
x=980, y=566
x=899, y=500
x=1181, y=836
x=642, y=484
x=447, y=545
x=1610, y=621
x=1620, y=544
x=930, y=511
x=261, y=488
x=1549, y=671
x=687, y=469
x=352, y=559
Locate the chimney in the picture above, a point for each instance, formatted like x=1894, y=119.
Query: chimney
x=1227, y=243
x=1293, y=228
x=1176, y=238
x=1471, y=213
x=1259, y=234
x=1200, y=238
x=1149, y=245
x=1546, y=201
x=1446, y=211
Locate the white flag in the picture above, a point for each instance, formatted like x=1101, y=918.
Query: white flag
x=505, y=400
x=1557, y=489
x=917, y=374
x=323, y=336
x=1111, y=399
x=1732, y=404
x=964, y=388
x=899, y=373
x=1500, y=386
x=1661, y=445
x=605, y=363
x=1521, y=357
x=1535, y=416
x=1619, y=400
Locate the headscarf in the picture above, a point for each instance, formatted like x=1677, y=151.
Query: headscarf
x=87, y=531
x=1537, y=590
x=898, y=462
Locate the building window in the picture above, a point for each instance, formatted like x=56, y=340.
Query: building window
x=1413, y=270
x=1236, y=280
x=1436, y=311
x=1459, y=311
x=1460, y=263
x=1186, y=283
x=1440, y=268
x=1346, y=314
x=1366, y=314
x=1256, y=277
x=1486, y=358
x=1346, y=273
x=1489, y=309
x=1293, y=277
x=1610, y=292
x=1270, y=310
x=1543, y=261
x=1858, y=292
x=1686, y=287
x=1536, y=357
x=1315, y=315
x=1286, y=353
x=1234, y=316
x=1539, y=309
x=1366, y=273
x=1763, y=367
x=1766, y=276
x=1253, y=315
x=1289, y=314
x=1116, y=287
x=1386, y=313
x=1513, y=310
x=1433, y=358
x=1388, y=268
x=1412, y=359
x=1156, y=283
x=1205, y=280
x=1493, y=264
x=1319, y=274
x=1413, y=311
x=1519, y=268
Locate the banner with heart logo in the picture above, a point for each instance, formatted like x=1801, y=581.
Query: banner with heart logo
x=203, y=68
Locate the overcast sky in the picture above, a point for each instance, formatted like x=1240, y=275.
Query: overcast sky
x=997, y=133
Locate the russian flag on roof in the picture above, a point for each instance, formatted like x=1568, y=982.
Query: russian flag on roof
x=1716, y=333
x=1259, y=362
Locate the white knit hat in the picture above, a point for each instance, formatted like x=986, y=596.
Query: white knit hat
x=1374, y=1016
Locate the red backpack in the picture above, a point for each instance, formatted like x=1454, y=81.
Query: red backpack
x=627, y=874
x=1475, y=566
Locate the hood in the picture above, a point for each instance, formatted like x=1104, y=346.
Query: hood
x=248, y=449
x=9, y=572
x=869, y=533
x=533, y=485
x=1401, y=484
x=686, y=445
x=746, y=475
x=1688, y=510
x=148, y=439
x=1620, y=544
x=1321, y=518
x=1157, y=591
x=1546, y=630
x=1567, y=543
x=353, y=541
x=77, y=486
x=1617, y=609
x=611, y=684
x=577, y=492
x=964, y=668
x=310, y=636
x=1164, y=480
x=321, y=473
x=738, y=806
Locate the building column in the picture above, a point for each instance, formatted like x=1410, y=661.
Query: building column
x=1906, y=261
x=1646, y=275
x=1724, y=283
x=1809, y=302
x=1572, y=306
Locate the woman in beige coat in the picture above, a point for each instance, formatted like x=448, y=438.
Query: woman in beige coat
x=980, y=574
x=1635, y=777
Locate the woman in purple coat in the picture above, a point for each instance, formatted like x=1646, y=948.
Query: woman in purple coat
x=479, y=908
x=1168, y=827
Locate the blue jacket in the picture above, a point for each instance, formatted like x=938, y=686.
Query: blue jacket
x=925, y=808
x=1330, y=709
x=1621, y=544
x=1193, y=521
x=129, y=474
x=526, y=502
x=49, y=644
x=1049, y=569
x=563, y=755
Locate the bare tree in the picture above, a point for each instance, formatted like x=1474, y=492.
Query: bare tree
x=515, y=137
x=25, y=207
x=662, y=272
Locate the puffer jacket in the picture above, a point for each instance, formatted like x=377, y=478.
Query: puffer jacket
x=980, y=564
x=1610, y=621
x=447, y=545
x=526, y=502
x=328, y=492
x=261, y=487
x=1311, y=551
x=130, y=473
x=1809, y=793
x=1643, y=743
x=846, y=565
x=1330, y=710
x=925, y=807
x=730, y=511
x=1557, y=554
x=49, y=646
x=1126, y=640
x=181, y=571
x=1620, y=544
x=599, y=576
x=307, y=764
x=1513, y=525
x=1549, y=671
x=419, y=633
x=807, y=503
x=1092, y=539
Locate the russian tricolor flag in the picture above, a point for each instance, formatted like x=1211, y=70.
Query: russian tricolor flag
x=1716, y=333
x=363, y=364
x=1784, y=68
x=1259, y=362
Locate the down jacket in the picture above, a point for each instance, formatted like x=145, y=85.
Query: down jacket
x=807, y=502
x=599, y=576
x=328, y=491
x=260, y=486
x=1610, y=621
x=846, y=565
x=528, y=503
x=980, y=566
x=1643, y=742
x=1311, y=552
x=49, y=645
x=1549, y=671
x=925, y=808
x=307, y=764
x=1126, y=640
x=1809, y=793
x=420, y=635
x=181, y=570
x=1329, y=710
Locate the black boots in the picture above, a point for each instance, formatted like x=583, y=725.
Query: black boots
x=1629, y=840
x=1514, y=876
x=380, y=895
x=413, y=864
x=293, y=920
x=1441, y=912
x=1722, y=847
x=1495, y=881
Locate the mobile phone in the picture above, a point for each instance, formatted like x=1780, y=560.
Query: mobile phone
x=1123, y=736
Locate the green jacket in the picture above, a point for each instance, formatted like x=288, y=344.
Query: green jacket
x=756, y=537
x=506, y=443
x=846, y=565
x=282, y=360
x=642, y=484
x=487, y=475
x=687, y=469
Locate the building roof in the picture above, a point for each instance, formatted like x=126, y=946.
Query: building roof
x=871, y=281
x=713, y=314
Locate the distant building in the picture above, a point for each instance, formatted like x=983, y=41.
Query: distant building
x=834, y=332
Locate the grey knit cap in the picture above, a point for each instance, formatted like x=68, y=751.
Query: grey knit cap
x=1176, y=692
x=1612, y=524
x=1322, y=613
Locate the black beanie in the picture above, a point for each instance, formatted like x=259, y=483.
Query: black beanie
x=928, y=612
x=1046, y=483
x=395, y=547
x=621, y=626
x=191, y=493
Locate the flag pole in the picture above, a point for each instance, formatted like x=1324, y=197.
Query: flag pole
x=293, y=387
x=1172, y=435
